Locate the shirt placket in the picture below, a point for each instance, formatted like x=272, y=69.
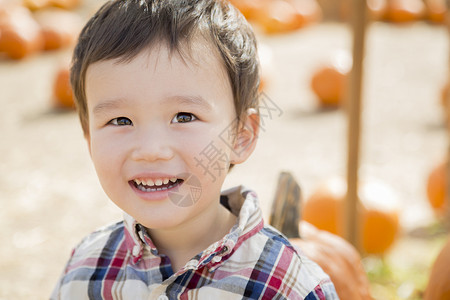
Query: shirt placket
x=160, y=292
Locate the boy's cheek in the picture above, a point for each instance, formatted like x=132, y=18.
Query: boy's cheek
x=101, y=148
x=212, y=161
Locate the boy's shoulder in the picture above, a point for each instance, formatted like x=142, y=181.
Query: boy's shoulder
x=103, y=240
x=102, y=234
x=88, y=259
x=279, y=269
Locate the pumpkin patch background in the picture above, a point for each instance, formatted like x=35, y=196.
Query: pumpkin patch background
x=50, y=197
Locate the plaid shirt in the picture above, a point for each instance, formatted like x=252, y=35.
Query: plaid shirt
x=253, y=261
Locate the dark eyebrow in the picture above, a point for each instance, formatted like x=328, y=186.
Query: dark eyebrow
x=108, y=105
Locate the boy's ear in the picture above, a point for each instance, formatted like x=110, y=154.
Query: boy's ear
x=246, y=137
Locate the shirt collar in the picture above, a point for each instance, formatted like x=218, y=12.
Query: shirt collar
x=240, y=201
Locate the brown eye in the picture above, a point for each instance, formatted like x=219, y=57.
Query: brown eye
x=183, y=117
x=121, y=121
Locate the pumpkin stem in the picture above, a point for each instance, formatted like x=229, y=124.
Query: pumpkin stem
x=286, y=207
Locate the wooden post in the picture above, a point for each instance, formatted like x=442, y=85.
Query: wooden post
x=447, y=213
x=358, y=24
x=286, y=207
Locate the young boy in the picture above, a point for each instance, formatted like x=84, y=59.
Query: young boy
x=164, y=88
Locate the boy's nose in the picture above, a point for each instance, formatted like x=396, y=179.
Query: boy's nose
x=152, y=145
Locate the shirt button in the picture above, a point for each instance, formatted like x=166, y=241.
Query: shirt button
x=216, y=259
x=136, y=250
x=163, y=297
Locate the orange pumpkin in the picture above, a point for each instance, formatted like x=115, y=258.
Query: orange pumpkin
x=438, y=287
x=380, y=229
x=338, y=258
x=329, y=84
x=329, y=81
x=329, y=195
x=401, y=11
x=35, y=4
x=436, y=10
x=20, y=34
x=377, y=8
x=277, y=17
x=437, y=189
x=65, y=4
x=250, y=8
x=62, y=90
x=378, y=212
x=280, y=16
x=60, y=28
x=41, y=4
x=307, y=11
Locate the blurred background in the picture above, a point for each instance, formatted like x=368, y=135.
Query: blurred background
x=50, y=197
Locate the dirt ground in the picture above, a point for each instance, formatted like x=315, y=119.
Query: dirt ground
x=50, y=197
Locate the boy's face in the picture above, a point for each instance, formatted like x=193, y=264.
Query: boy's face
x=158, y=133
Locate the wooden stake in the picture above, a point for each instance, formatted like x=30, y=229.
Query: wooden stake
x=286, y=215
x=447, y=213
x=358, y=22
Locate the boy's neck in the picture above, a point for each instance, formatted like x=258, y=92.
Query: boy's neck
x=184, y=242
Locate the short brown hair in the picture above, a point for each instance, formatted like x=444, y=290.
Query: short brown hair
x=123, y=28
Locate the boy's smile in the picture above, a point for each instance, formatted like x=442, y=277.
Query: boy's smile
x=149, y=186
x=150, y=118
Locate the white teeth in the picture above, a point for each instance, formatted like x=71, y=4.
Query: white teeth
x=155, y=182
x=153, y=189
